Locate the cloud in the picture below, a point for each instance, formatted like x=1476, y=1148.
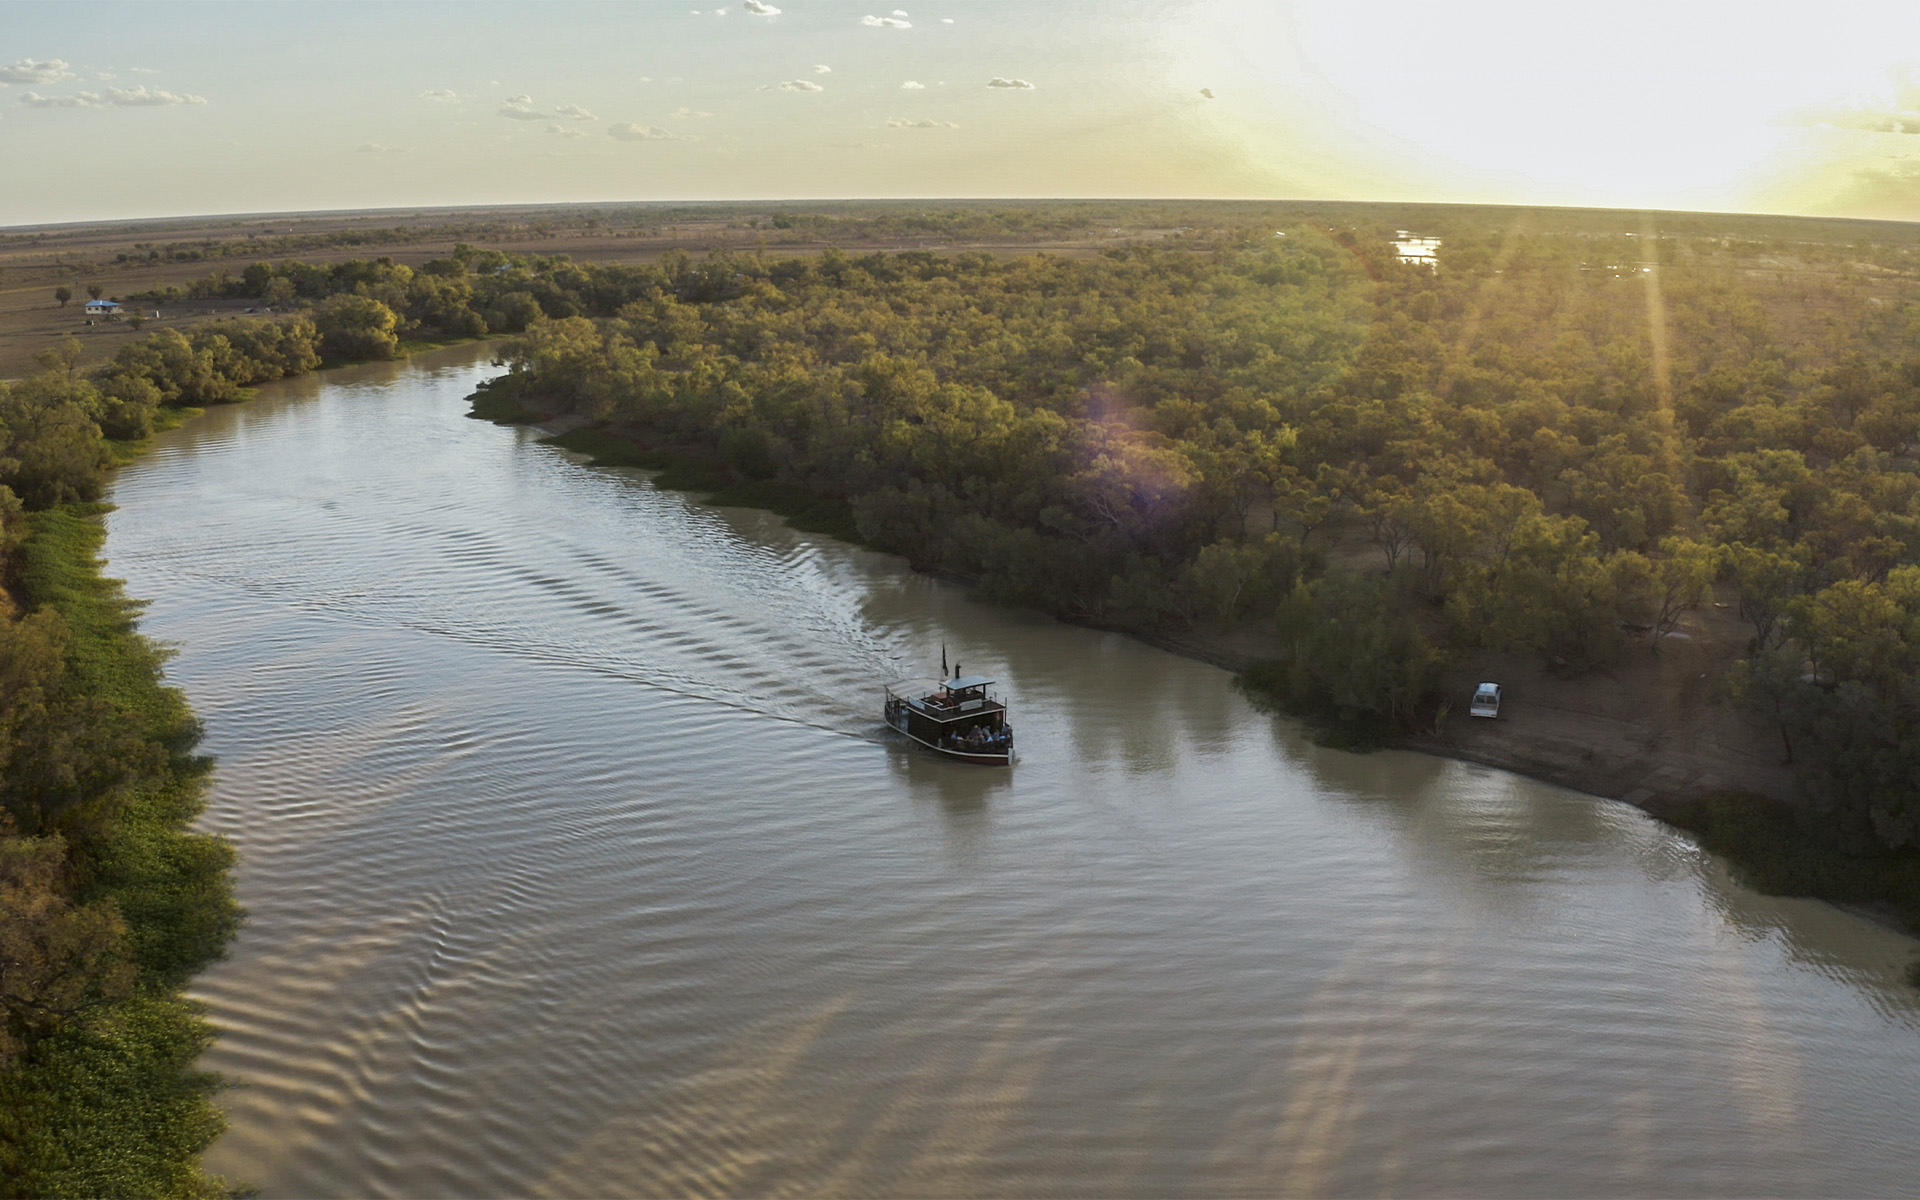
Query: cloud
x=1884, y=189
x=922, y=123
x=1207, y=92
x=563, y=131
x=793, y=85
x=760, y=9
x=143, y=70
x=1000, y=81
x=684, y=113
x=36, y=70
x=144, y=97
x=911, y=86
x=133, y=97
x=822, y=69
x=1865, y=120
x=377, y=148
x=520, y=108
x=1897, y=113
x=887, y=22
x=441, y=95
x=573, y=112
x=627, y=131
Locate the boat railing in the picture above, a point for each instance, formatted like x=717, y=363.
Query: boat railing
x=923, y=695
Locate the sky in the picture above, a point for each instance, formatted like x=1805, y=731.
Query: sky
x=161, y=108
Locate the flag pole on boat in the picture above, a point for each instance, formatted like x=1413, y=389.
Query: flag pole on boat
x=943, y=660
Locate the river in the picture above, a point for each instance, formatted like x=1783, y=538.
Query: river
x=577, y=863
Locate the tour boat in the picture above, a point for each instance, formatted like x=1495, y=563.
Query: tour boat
x=957, y=717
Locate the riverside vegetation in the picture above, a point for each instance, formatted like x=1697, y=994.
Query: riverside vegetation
x=109, y=902
x=1560, y=440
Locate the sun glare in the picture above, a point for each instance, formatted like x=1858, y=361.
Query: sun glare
x=1668, y=105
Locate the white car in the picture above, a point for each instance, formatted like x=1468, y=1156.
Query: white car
x=1486, y=701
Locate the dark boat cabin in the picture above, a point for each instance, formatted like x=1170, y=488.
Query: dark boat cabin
x=958, y=717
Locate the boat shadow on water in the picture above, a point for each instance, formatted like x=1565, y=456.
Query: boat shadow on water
x=961, y=788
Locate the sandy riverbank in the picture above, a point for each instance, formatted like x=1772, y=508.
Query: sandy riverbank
x=1650, y=729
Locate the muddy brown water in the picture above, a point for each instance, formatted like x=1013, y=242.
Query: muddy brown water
x=578, y=863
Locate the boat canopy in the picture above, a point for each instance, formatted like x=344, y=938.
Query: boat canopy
x=968, y=681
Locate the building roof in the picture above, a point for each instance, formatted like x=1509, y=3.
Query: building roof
x=103, y=304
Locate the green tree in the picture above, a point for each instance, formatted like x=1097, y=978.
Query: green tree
x=1353, y=656
x=95, y=291
x=62, y=359
x=356, y=327
x=62, y=294
x=126, y=406
x=254, y=280
x=50, y=448
x=1554, y=592
x=1682, y=578
x=58, y=960
x=1767, y=581
x=65, y=754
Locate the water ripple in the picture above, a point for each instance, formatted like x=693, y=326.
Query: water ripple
x=576, y=865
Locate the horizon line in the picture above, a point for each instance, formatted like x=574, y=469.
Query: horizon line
x=40, y=226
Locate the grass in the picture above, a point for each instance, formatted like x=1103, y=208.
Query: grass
x=417, y=345
x=115, y=1110
x=59, y=565
x=115, y=1105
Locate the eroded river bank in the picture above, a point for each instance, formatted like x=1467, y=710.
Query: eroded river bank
x=577, y=863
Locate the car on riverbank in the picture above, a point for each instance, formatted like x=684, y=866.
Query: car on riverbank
x=1486, y=701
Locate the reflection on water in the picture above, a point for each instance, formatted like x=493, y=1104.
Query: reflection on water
x=578, y=863
x=1413, y=248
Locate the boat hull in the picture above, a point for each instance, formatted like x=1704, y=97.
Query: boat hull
x=984, y=758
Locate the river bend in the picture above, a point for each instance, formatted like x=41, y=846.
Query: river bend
x=577, y=863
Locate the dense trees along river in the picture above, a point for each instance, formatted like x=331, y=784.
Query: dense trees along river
x=577, y=861
x=1553, y=440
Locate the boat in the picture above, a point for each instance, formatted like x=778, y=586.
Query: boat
x=956, y=717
